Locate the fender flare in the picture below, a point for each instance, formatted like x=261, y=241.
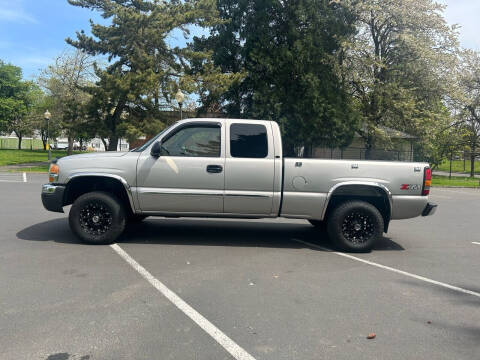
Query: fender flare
x=380, y=186
x=124, y=182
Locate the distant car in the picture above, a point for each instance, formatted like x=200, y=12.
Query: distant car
x=61, y=146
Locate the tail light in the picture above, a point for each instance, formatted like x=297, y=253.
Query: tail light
x=427, y=181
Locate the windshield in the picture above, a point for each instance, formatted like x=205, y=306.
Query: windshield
x=151, y=141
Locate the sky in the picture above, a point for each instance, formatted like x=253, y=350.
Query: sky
x=33, y=32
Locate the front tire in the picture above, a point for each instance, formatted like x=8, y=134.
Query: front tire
x=97, y=218
x=355, y=226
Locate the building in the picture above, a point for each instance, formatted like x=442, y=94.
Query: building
x=401, y=148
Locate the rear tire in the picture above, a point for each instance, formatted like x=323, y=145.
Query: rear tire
x=97, y=218
x=355, y=226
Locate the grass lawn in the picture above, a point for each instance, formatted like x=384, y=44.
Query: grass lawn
x=457, y=166
x=14, y=157
x=455, y=181
x=32, y=169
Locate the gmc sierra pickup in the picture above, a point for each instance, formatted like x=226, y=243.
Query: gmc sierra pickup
x=234, y=168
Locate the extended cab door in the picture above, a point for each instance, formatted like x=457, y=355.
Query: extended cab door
x=249, y=168
x=189, y=175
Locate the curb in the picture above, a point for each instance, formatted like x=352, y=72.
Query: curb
x=456, y=187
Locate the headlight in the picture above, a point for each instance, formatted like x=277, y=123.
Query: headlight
x=53, y=173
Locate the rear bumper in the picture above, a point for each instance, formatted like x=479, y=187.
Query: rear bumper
x=52, y=197
x=430, y=209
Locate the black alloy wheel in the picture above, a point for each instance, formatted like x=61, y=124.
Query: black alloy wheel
x=355, y=226
x=97, y=218
x=358, y=227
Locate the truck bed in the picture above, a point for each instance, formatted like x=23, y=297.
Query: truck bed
x=308, y=184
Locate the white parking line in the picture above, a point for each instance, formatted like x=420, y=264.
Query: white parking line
x=228, y=344
x=24, y=177
x=418, y=277
x=476, y=243
x=11, y=177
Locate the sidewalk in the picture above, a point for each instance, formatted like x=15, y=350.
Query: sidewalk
x=20, y=167
x=446, y=173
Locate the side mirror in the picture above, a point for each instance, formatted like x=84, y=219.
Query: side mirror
x=156, y=149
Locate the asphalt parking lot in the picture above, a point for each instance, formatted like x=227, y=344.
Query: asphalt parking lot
x=249, y=289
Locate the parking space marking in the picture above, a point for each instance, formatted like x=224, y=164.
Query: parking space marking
x=418, y=277
x=11, y=177
x=476, y=243
x=228, y=344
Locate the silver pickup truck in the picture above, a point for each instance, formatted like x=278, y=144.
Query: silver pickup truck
x=235, y=169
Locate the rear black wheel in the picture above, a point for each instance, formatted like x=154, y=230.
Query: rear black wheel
x=355, y=226
x=97, y=218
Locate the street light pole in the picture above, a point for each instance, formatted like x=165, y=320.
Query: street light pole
x=180, y=97
x=47, y=116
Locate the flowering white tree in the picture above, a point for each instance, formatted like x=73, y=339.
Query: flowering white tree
x=399, y=65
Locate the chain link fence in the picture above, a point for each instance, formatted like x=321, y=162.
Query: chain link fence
x=27, y=143
x=356, y=153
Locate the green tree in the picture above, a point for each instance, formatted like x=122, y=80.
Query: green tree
x=143, y=71
x=466, y=102
x=226, y=44
x=398, y=65
x=11, y=88
x=440, y=141
x=288, y=53
x=65, y=82
x=17, y=101
x=22, y=121
x=53, y=129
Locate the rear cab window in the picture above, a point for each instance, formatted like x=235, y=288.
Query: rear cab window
x=248, y=141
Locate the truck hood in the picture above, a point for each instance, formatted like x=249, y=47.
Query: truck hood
x=96, y=155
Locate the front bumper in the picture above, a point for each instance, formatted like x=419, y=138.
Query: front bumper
x=52, y=197
x=430, y=209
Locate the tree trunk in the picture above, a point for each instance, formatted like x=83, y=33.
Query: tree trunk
x=20, y=136
x=43, y=135
x=70, y=145
x=112, y=143
x=105, y=144
x=369, y=144
x=368, y=151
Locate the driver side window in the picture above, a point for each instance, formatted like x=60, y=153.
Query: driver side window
x=194, y=141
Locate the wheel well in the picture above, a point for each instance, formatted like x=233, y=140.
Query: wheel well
x=372, y=194
x=85, y=184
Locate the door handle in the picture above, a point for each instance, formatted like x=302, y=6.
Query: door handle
x=215, y=169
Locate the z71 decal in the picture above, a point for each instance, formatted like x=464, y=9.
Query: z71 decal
x=410, y=187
